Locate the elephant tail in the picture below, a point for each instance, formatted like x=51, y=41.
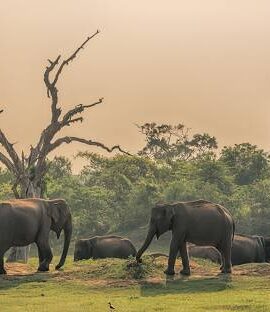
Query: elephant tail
x=233, y=230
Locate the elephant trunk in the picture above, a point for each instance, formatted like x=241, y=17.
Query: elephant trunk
x=67, y=232
x=151, y=233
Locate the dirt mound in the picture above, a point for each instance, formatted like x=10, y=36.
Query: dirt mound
x=19, y=269
x=116, y=272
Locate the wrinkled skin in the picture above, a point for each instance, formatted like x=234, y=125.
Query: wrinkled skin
x=27, y=221
x=103, y=247
x=199, y=222
x=245, y=249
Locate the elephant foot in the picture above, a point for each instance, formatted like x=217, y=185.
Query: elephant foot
x=43, y=268
x=185, y=272
x=226, y=271
x=58, y=266
x=169, y=271
x=3, y=271
x=139, y=260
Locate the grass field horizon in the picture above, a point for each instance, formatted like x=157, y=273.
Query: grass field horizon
x=89, y=285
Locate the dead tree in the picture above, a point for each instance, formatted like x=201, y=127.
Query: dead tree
x=29, y=168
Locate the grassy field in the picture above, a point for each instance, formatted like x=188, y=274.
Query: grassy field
x=90, y=285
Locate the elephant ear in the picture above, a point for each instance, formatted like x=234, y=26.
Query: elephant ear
x=58, y=212
x=169, y=212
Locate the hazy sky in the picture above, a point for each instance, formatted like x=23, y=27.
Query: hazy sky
x=204, y=63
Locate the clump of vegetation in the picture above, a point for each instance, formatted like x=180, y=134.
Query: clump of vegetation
x=117, y=269
x=147, y=268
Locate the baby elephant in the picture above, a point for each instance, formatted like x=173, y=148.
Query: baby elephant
x=103, y=247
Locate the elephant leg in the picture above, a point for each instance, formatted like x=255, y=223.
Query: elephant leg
x=220, y=249
x=227, y=266
x=174, y=248
x=40, y=255
x=2, y=252
x=222, y=261
x=2, y=269
x=185, y=259
x=46, y=254
x=225, y=251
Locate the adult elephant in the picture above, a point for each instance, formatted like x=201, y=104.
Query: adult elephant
x=245, y=249
x=249, y=248
x=26, y=221
x=103, y=247
x=199, y=222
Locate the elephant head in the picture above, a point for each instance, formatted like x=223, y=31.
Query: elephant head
x=59, y=213
x=161, y=221
x=83, y=249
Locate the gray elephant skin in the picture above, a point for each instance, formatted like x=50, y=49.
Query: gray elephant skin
x=245, y=249
x=205, y=252
x=249, y=248
x=104, y=247
x=27, y=221
x=199, y=222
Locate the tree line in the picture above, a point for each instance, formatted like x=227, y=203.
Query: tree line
x=116, y=193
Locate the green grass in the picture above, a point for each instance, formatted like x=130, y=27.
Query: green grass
x=90, y=285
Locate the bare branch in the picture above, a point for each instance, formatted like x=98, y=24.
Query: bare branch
x=52, y=93
x=69, y=139
x=11, y=152
x=4, y=160
x=77, y=110
x=48, y=70
x=52, y=90
x=65, y=62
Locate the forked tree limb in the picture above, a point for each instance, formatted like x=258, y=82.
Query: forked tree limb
x=52, y=92
x=51, y=86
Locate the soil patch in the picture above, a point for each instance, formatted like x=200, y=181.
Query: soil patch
x=120, y=276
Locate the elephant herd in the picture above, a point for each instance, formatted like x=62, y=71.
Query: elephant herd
x=199, y=228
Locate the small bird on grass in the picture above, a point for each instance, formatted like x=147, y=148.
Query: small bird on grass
x=111, y=306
